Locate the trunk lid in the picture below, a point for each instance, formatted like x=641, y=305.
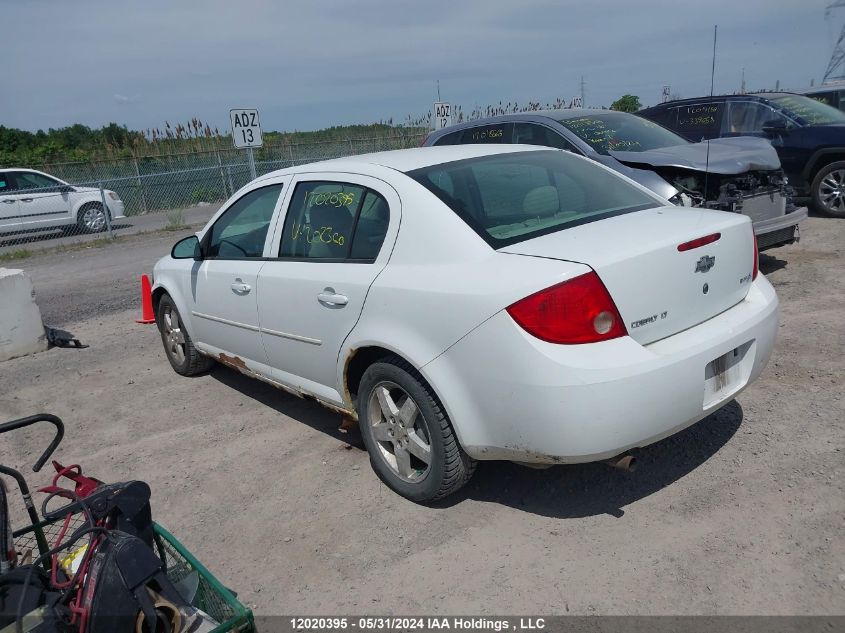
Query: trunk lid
x=658, y=290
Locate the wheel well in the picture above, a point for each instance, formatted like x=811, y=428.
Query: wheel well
x=357, y=363
x=821, y=162
x=158, y=293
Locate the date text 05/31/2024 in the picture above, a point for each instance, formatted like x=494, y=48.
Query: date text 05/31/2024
x=417, y=623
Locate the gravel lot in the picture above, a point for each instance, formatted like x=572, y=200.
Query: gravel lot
x=744, y=513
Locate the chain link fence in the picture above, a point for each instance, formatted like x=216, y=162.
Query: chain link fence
x=145, y=193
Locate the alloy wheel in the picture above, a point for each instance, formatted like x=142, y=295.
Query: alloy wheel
x=399, y=431
x=832, y=191
x=174, y=337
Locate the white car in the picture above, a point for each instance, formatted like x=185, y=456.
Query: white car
x=32, y=200
x=474, y=302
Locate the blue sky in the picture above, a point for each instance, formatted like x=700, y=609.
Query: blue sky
x=313, y=64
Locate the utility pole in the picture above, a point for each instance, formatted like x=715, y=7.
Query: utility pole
x=438, y=90
x=583, y=101
x=742, y=89
x=836, y=65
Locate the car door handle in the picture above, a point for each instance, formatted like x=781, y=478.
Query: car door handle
x=9, y=201
x=26, y=199
x=330, y=297
x=240, y=288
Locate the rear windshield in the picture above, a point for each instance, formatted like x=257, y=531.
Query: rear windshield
x=509, y=198
x=812, y=111
x=621, y=132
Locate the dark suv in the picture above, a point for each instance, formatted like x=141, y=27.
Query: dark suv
x=808, y=135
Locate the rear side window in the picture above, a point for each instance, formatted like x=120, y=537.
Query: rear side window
x=498, y=133
x=700, y=120
x=509, y=198
x=450, y=139
x=334, y=221
x=667, y=117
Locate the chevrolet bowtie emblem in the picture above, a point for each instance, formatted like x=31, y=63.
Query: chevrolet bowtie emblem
x=704, y=264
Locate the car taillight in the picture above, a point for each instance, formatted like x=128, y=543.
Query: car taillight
x=573, y=312
x=756, y=269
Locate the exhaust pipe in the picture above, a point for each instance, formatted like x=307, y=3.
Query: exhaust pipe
x=627, y=463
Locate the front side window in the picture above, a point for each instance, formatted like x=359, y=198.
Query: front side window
x=621, y=132
x=535, y=134
x=334, y=221
x=29, y=180
x=749, y=117
x=509, y=198
x=240, y=232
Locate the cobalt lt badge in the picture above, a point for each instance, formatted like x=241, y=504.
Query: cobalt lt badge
x=704, y=264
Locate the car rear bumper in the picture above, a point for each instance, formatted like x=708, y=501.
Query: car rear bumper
x=511, y=396
x=116, y=209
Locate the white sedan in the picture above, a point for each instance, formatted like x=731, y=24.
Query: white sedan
x=474, y=302
x=32, y=200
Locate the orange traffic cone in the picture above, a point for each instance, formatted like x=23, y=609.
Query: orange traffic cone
x=146, y=301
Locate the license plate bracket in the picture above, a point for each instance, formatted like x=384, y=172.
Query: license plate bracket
x=727, y=374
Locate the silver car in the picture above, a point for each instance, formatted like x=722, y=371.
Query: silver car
x=741, y=174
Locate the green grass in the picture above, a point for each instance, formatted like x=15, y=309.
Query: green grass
x=21, y=253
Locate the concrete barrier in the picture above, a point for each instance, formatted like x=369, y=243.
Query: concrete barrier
x=21, y=329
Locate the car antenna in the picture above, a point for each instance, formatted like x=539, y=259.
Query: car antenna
x=712, y=76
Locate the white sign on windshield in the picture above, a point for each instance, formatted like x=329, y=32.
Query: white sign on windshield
x=246, y=129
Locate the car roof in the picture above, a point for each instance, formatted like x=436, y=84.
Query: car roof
x=405, y=160
x=560, y=114
x=839, y=85
x=759, y=96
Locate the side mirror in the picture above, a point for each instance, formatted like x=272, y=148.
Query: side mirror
x=774, y=127
x=189, y=248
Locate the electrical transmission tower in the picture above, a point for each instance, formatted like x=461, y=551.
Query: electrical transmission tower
x=836, y=66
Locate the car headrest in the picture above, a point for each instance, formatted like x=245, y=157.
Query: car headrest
x=541, y=201
x=338, y=224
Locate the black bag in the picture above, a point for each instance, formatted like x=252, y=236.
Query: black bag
x=122, y=573
x=36, y=593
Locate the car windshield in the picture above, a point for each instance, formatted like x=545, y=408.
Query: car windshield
x=609, y=132
x=812, y=111
x=509, y=198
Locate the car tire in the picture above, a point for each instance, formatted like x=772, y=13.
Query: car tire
x=397, y=433
x=91, y=218
x=828, y=189
x=178, y=346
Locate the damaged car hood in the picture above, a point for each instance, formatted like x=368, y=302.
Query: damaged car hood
x=735, y=155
